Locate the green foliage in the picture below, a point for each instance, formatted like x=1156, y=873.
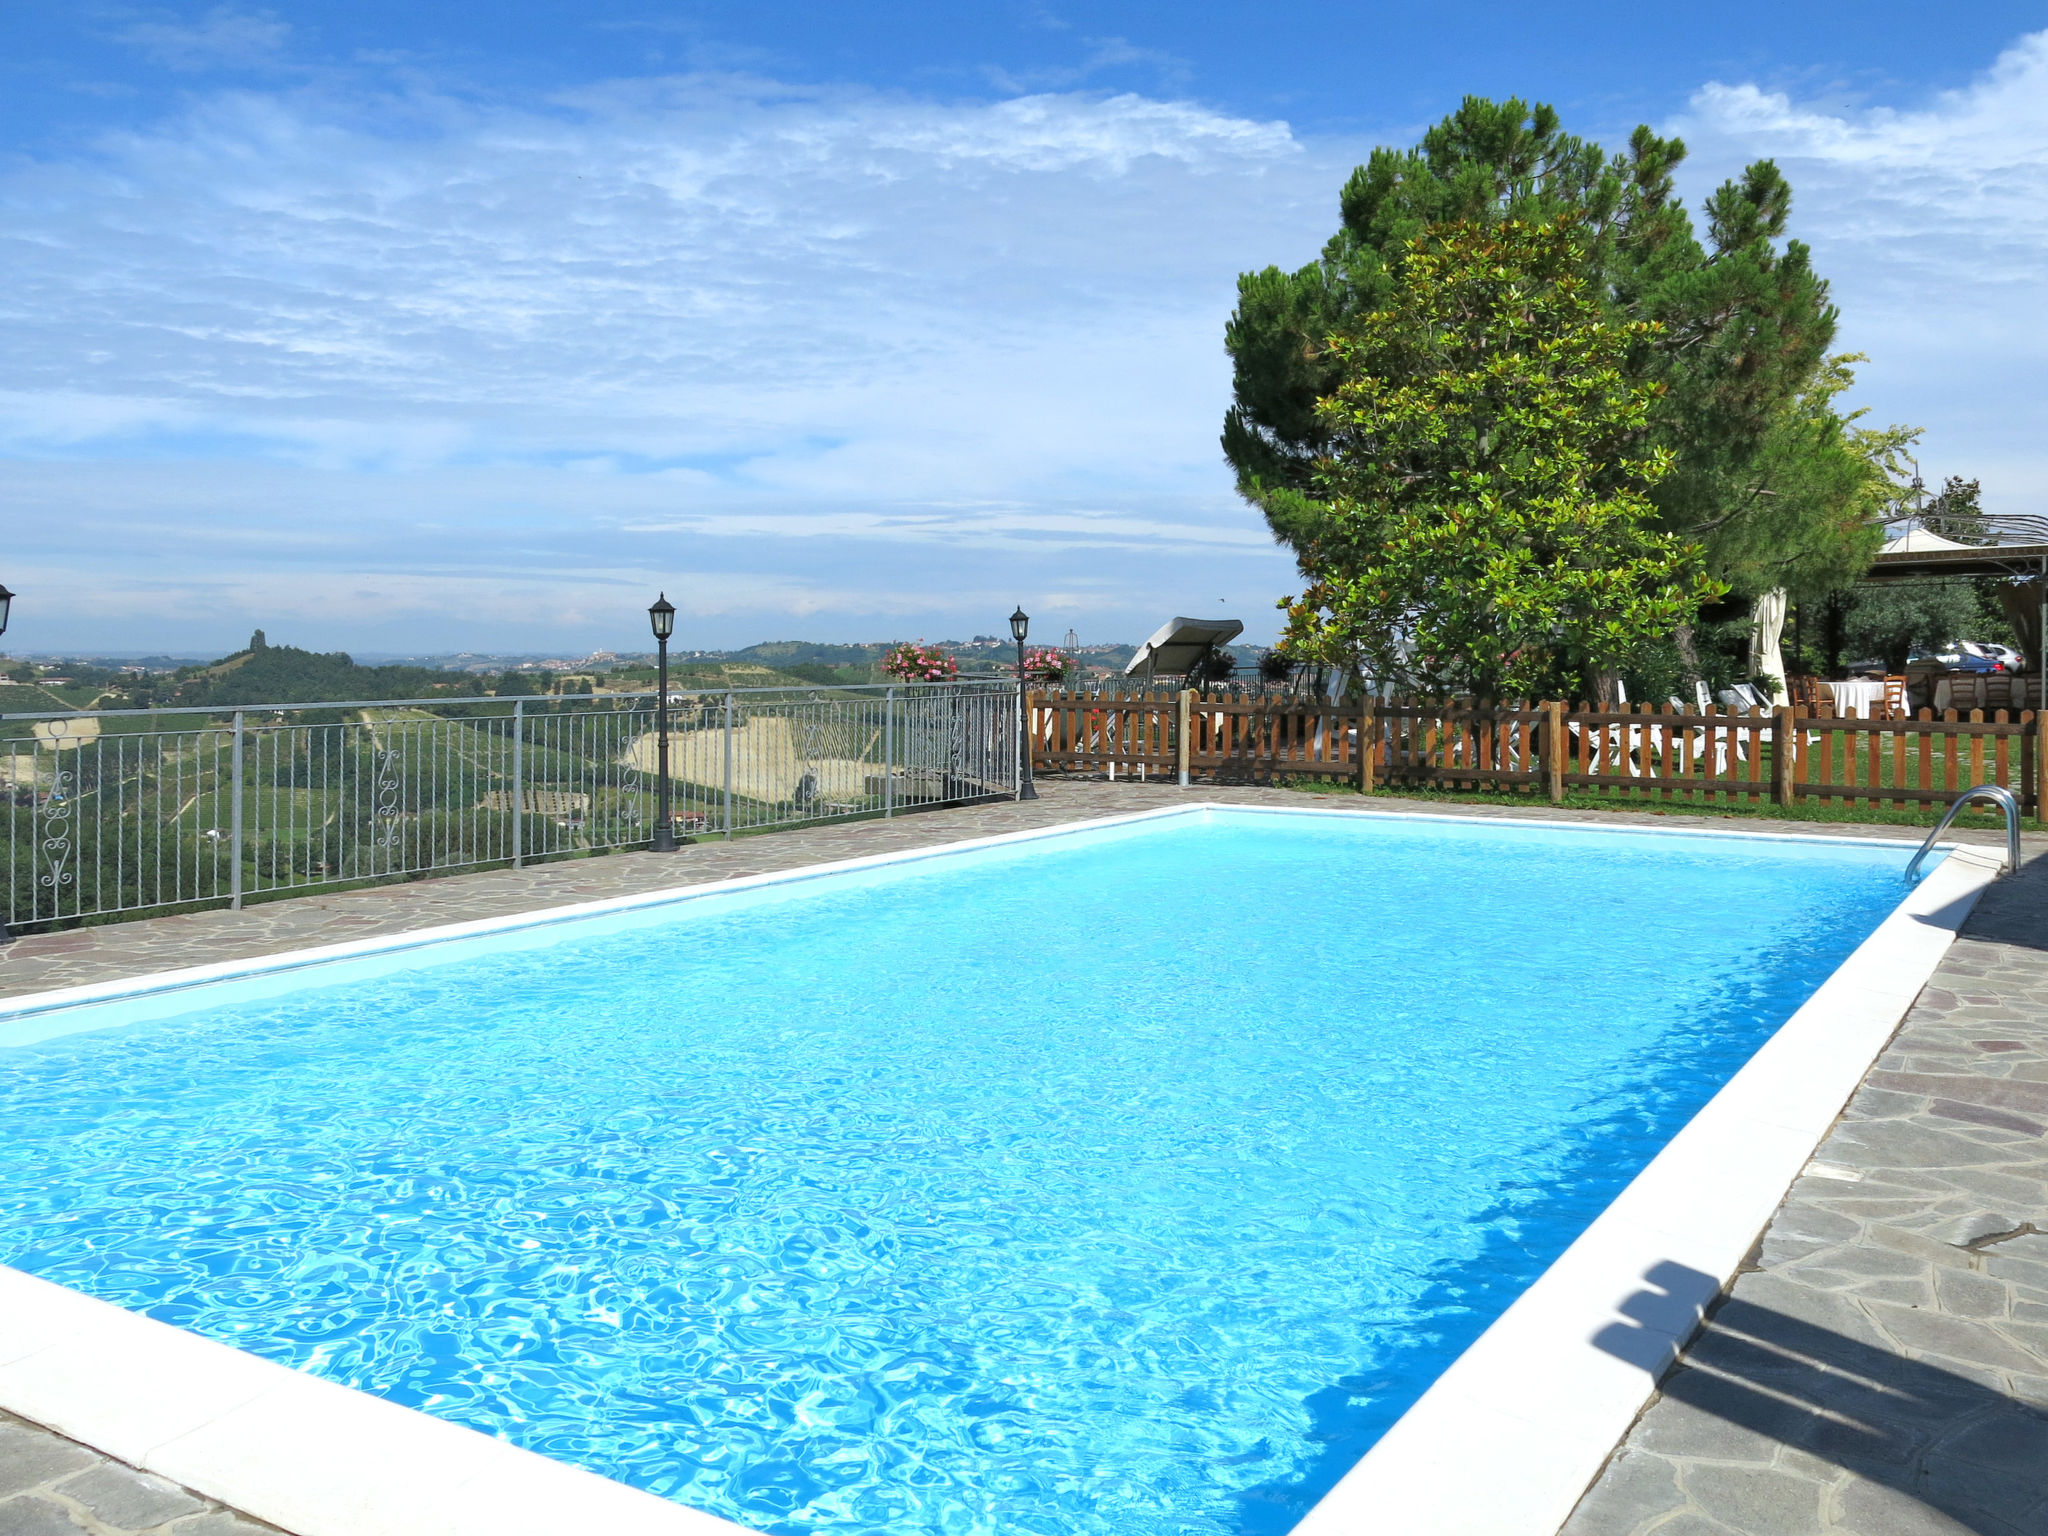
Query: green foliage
x=1213, y=667
x=1660, y=670
x=1891, y=620
x=1957, y=512
x=1806, y=513
x=792, y=655
x=1734, y=333
x=1485, y=480
x=827, y=676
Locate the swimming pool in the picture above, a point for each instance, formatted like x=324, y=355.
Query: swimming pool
x=1129, y=1180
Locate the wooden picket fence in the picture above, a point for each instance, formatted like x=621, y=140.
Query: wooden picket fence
x=1779, y=756
x=1142, y=736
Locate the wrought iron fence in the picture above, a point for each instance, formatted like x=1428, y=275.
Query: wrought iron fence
x=129, y=810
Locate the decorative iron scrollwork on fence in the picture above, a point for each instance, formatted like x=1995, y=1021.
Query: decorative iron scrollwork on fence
x=632, y=780
x=56, y=833
x=388, y=798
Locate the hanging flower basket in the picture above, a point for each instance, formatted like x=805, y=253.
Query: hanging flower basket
x=916, y=662
x=1047, y=666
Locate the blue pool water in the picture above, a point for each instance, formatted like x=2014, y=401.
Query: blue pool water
x=1128, y=1182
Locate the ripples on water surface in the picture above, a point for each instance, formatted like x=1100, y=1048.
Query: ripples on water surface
x=1126, y=1185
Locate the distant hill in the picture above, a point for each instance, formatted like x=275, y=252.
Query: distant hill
x=284, y=674
x=783, y=655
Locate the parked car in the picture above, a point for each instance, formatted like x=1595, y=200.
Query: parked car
x=1964, y=656
x=2004, y=655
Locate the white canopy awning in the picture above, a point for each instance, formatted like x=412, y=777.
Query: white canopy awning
x=1918, y=541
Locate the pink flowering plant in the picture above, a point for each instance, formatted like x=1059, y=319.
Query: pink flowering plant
x=916, y=662
x=1047, y=666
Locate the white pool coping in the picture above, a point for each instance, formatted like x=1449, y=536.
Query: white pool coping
x=1503, y=1444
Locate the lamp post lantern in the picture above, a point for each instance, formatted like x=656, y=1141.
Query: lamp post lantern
x=1020, y=626
x=662, y=615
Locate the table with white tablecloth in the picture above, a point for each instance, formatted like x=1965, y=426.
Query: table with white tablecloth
x=1862, y=697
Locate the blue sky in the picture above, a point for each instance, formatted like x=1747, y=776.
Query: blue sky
x=427, y=326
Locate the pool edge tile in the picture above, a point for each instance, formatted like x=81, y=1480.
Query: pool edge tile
x=322, y=1459
x=118, y=1380
x=312, y=1456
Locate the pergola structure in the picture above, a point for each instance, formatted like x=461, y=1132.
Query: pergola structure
x=2018, y=552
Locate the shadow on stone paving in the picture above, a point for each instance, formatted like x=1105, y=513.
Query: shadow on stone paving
x=2010, y=910
x=1973, y=1454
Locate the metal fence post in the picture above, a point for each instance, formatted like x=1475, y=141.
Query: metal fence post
x=728, y=763
x=519, y=783
x=889, y=753
x=235, y=824
x=1187, y=697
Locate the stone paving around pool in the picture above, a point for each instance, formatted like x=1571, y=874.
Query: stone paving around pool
x=1883, y=1371
x=50, y=1486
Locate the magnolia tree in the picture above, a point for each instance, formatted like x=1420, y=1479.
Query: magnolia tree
x=916, y=662
x=1486, y=480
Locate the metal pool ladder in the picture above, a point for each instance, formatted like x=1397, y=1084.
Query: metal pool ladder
x=1998, y=795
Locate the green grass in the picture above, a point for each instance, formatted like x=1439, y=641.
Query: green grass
x=1675, y=805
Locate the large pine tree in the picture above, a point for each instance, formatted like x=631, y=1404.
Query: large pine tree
x=1741, y=329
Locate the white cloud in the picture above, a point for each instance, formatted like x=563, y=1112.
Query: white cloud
x=1932, y=225
x=223, y=36
x=404, y=368
x=870, y=350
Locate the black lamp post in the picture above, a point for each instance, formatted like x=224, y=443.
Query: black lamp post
x=1020, y=626
x=662, y=615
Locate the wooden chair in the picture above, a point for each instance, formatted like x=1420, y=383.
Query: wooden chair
x=1896, y=706
x=1965, y=691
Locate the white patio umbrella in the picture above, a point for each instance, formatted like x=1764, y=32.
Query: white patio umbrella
x=1767, y=623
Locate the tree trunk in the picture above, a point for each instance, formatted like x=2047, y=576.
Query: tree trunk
x=1689, y=653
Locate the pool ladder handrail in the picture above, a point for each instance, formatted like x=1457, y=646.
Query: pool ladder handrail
x=2000, y=796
